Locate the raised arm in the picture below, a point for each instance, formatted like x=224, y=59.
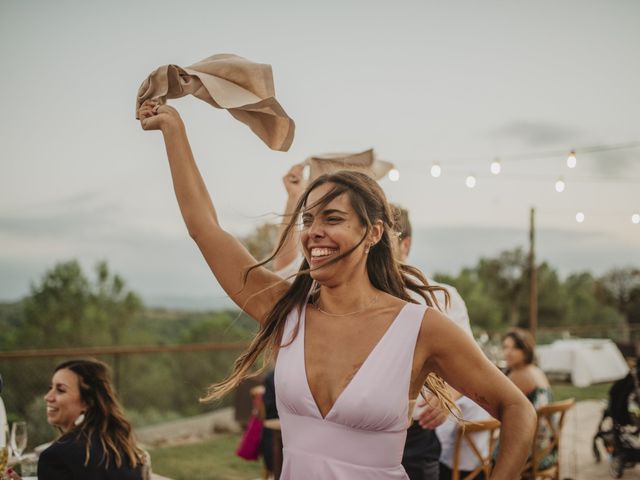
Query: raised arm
x=226, y=256
x=295, y=185
x=453, y=355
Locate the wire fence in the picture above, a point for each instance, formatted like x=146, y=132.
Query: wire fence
x=155, y=384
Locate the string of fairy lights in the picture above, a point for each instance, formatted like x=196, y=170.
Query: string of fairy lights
x=436, y=169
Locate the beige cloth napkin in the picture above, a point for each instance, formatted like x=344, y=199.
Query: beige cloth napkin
x=365, y=162
x=233, y=83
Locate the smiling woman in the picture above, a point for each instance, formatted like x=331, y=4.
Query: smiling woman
x=96, y=441
x=352, y=347
x=64, y=403
x=332, y=230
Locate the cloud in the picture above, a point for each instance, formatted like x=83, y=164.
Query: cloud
x=537, y=133
x=613, y=163
x=66, y=216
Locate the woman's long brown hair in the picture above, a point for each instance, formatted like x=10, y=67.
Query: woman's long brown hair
x=104, y=417
x=385, y=273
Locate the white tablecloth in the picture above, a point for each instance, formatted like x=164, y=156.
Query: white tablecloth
x=588, y=361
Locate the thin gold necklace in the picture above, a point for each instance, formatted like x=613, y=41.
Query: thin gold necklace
x=373, y=300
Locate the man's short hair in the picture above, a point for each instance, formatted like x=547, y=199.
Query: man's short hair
x=402, y=224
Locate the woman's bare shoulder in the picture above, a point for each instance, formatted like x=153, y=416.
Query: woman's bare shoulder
x=539, y=376
x=438, y=332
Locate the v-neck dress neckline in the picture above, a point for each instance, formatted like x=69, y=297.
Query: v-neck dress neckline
x=363, y=434
x=363, y=365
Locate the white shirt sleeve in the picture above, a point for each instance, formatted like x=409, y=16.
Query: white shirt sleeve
x=447, y=435
x=3, y=423
x=457, y=310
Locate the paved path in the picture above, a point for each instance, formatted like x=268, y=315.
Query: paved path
x=576, y=456
x=189, y=430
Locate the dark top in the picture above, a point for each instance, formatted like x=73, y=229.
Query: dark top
x=65, y=458
x=421, y=453
x=621, y=394
x=269, y=397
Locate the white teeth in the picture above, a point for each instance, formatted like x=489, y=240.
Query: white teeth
x=322, y=252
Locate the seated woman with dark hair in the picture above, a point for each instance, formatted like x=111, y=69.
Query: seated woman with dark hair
x=96, y=442
x=518, y=347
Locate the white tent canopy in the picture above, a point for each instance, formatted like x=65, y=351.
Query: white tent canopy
x=588, y=361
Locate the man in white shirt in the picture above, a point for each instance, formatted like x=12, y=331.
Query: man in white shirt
x=3, y=421
x=421, y=458
x=447, y=432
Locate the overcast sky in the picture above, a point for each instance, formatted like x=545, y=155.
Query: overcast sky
x=455, y=82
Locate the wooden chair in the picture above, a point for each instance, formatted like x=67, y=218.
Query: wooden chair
x=551, y=416
x=466, y=433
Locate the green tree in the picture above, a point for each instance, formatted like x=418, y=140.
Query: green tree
x=55, y=311
x=620, y=289
x=66, y=308
x=584, y=307
x=497, y=286
x=504, y=278
x=485, y=312
x=496, y=292
x=552, y=298
x=112, y=304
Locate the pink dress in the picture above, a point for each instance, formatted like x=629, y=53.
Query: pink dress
x=363, y=435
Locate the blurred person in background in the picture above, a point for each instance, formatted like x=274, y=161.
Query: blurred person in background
x=467, y=458
x=423, y=449
x=96, y=441
x=519, y=351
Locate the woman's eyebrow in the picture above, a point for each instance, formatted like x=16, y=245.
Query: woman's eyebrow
x=331, y=211
x=328, y=211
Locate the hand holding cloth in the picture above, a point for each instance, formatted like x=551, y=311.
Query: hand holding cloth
x=230, y=82
x=365, y=162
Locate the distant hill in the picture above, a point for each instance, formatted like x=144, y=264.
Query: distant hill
x=190, y=303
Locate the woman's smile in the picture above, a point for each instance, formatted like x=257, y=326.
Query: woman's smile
x=319, y=255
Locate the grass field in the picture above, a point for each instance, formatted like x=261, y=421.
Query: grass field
x=562, y=391
x=210, y=460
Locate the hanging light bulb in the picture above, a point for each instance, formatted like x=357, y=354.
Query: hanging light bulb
x=579, y=217
x=635, y=218
x=572, y=161
x=560, y=185
x=470, y=181
x=436, y=170
x=496, y=167
x=394, y=175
